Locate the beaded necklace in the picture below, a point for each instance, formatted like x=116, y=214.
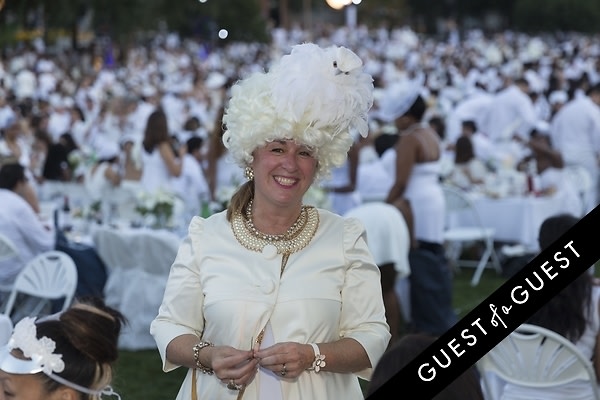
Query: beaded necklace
x=294, y=239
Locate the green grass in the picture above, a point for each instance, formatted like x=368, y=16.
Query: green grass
x=139, y=374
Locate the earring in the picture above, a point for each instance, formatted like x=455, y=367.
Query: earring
x=249, y=173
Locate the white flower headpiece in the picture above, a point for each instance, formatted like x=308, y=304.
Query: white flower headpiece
x=41, y=357
x=319, y=97
x=41, y=351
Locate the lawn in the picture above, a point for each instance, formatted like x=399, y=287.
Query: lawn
x=139, y=375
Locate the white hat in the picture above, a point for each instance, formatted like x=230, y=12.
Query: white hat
x=398, y=98
x=317, y=96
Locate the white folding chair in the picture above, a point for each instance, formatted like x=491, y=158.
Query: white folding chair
x=49, y=276
x=456, y=236
x=535, y=357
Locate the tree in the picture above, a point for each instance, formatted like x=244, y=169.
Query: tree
x=557, y=15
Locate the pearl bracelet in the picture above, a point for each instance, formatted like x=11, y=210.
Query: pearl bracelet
x=319, y=361
x=196, y=349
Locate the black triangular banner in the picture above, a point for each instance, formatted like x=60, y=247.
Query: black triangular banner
x=501, y=313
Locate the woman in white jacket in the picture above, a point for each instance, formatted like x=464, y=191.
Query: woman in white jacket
x=273, y=299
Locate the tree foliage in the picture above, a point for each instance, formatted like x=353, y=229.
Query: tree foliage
x=122, y=19
x=557, y=15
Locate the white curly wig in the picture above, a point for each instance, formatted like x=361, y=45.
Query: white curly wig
x=315, y=96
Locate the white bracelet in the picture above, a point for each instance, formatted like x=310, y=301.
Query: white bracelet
x=319, y=361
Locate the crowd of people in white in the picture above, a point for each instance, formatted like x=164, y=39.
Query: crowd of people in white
x=505, y=105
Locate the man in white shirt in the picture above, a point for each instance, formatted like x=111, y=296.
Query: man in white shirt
x=575, y=133
x=20, y=222
x=510, y=113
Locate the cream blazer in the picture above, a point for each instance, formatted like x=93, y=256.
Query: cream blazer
x=226, y=294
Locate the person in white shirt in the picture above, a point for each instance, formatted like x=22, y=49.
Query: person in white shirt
x=510, y=113
x=575, y=133
x=20, y=222
x=191, y=186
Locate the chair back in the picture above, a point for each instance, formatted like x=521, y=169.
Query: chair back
x=51, y=275
x=533, y=356
x=456, y=200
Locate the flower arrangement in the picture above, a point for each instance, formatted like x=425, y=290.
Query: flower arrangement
x=93, y=212
x=159, y=204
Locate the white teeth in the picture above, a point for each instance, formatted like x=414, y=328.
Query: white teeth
x=285, y=181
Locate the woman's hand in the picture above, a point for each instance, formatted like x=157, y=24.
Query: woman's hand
x=230, y=364
x=287, y=359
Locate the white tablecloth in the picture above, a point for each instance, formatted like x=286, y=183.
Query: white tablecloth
x=516, y=219
x=138, y=262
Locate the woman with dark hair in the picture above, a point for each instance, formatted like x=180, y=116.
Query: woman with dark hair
x=56, y=163
x=468, y=170
x=159, y=162
x=573, y=313
x=67, y=356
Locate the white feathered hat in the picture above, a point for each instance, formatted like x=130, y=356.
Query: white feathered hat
x=319, y=97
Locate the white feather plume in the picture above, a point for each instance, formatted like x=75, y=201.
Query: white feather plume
x=323, y=87
x=319, y=96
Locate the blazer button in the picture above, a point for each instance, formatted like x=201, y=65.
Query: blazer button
x=269, y=252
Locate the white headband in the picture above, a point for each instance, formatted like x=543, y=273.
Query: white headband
x=41, y=357
x=319, y=97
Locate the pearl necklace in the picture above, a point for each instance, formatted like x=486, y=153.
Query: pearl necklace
x=294, y=239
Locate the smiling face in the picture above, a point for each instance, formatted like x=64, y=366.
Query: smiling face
x=283, y=172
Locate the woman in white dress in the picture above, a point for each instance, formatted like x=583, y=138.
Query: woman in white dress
x=222, y=173
x=416, y=190
x=273, y=299
x=159, y=161
x=105, y=175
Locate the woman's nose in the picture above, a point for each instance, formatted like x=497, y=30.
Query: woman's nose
x=289, y=162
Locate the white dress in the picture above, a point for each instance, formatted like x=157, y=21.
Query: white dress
x=426, y=197
x=155, y=174
x=342, y=202
x=219, y=290
x=96, y=184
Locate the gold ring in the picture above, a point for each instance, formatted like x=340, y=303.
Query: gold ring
x=232, y=386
